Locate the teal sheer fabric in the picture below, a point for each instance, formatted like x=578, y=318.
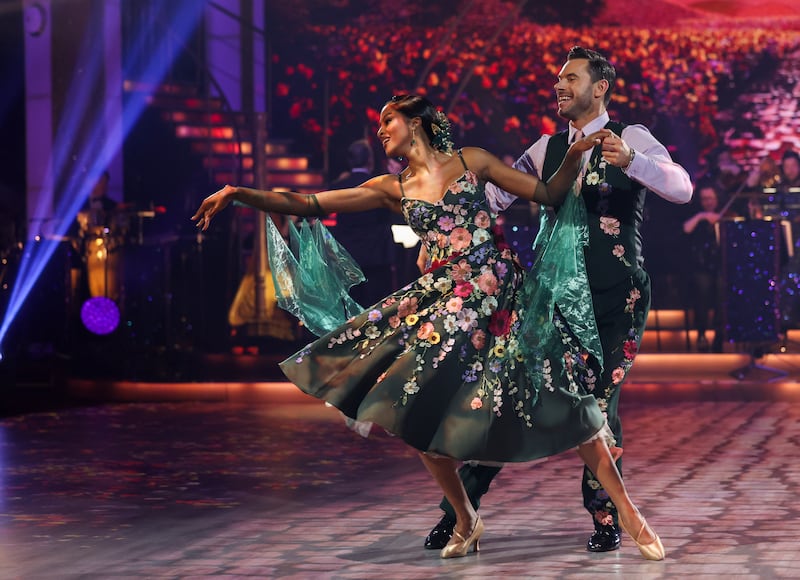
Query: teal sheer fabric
x=558, y=278
x=313, y=275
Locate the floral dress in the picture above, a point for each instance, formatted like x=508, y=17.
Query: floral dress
x=439, y=362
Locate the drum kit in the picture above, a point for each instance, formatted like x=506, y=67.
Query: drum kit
x=153, y=268
x=101, y=243
x=98, y=259
x=83, y=263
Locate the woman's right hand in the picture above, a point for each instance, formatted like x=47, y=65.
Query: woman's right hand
x=212, y=205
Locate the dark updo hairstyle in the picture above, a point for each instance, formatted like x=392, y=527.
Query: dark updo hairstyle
x=434, y=122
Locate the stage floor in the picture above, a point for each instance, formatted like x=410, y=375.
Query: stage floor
x=270, y=484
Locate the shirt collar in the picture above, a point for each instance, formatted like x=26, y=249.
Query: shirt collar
x=594, y=125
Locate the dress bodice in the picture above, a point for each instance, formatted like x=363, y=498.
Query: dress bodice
x=456, y=224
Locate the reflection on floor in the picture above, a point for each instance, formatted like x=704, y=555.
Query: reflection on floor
x=257, y=480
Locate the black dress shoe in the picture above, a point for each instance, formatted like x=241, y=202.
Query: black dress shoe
x=604, y=539
x=440, y=534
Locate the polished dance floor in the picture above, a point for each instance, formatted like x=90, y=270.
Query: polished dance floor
x=259, y=481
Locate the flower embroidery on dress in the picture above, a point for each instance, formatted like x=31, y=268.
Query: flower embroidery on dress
x=447, y=223
x=460, y=239
x=482, y=220
x=463, y=313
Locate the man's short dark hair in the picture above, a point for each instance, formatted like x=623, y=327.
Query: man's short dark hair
x=599, y=67
x=790, y=154
x=359, y=154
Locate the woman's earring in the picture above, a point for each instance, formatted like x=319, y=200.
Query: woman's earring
x=413, y=139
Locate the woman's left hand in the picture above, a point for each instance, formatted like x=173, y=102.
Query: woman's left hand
x=211, y=206
x=590, y=141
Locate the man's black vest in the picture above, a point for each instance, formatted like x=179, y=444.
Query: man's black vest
x=614, y=214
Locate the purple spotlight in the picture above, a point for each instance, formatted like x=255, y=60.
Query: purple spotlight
x=100, y=315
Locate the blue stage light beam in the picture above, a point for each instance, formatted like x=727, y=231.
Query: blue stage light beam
x=79, y=171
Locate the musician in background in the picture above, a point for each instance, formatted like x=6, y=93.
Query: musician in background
x=788, y=187
x=790, y=171
x=729, y=176
x=101, y=236
x=705, y=263
x=99, y=208
x=725, y=175
x=767, y=174
x=367, y=235
x=775, y=178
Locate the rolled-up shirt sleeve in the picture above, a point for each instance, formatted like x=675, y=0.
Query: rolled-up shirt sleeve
x=530, y=162
x=654, y=168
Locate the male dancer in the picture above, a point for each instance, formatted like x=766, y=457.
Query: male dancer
x=613, y=184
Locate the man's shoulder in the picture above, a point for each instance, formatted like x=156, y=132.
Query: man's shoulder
x=561, y=138
x=637, y=127
x=544, y=139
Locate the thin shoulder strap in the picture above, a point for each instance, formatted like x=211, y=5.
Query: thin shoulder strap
x=464, y=163
x=400, y=181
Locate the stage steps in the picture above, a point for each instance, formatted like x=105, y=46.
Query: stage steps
x=225, y=139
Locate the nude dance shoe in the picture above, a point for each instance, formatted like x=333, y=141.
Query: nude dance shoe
x=651, y=551
x=458, y=546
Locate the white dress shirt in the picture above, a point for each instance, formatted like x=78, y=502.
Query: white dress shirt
x=652, y=165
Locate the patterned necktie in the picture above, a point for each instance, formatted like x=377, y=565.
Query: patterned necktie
x=575, y=136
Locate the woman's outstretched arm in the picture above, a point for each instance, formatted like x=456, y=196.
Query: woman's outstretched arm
x=529, y=186
x=375, y=193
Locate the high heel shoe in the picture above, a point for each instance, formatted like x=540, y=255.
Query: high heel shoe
x=458, y=545
x=651, y=551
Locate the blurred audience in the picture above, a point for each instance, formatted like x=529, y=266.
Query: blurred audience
x=672, y=75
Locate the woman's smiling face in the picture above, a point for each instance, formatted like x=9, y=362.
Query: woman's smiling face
x=393, y=131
